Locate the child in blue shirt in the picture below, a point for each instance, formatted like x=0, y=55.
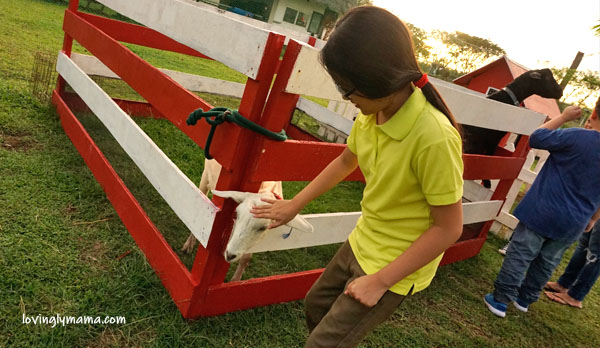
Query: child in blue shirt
x=555, y=211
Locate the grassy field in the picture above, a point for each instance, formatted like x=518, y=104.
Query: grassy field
x=63, y=249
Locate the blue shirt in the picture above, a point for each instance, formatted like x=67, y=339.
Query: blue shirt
x=566, y=192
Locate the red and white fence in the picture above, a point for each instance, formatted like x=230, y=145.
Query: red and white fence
x=247, y=158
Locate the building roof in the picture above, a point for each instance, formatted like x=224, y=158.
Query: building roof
x=536, y=103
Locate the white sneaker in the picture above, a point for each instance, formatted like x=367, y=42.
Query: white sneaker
x=504, y=249
x=520, y=307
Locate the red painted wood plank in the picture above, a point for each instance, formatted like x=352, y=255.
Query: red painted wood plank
x=257, y=292
x=309, y=158
x=296, y=133
x=171, y=271
x=491, y=167
x=463, y=250
x=166, y=95
x=296, y=161
x=67, y=46
x=131, y=107
x=139, y=35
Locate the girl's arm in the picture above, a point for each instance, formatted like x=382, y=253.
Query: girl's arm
x=282, y=211
x=446, y=229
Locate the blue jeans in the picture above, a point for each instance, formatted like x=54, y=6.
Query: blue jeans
x=584, y=268
x=528, y=265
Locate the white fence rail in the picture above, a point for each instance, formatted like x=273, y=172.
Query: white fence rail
x=236, y=44
x=335, y=227
x=526, y=176
x=194, y=209
x=469, y=107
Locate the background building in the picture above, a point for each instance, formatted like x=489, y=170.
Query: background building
x=306, y=16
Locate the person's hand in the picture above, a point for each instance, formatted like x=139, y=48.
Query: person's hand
x=367, y=289
x=590, y=225
x=571, y=113
x=279, y=211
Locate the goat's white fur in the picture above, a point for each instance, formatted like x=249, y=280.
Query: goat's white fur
x=210, y=175
x=248, y=230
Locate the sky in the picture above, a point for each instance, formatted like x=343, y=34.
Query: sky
x=535, y=33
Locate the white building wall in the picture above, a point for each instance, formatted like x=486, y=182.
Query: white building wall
x=307, y=7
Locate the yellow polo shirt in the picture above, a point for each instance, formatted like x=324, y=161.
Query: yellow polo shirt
x=410, y=162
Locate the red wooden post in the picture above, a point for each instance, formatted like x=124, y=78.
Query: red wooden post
x=210, y=266
x=67, y=45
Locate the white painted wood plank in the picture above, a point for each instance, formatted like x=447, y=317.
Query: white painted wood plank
x=194, y=209
x=512, y=195
x=93, y=66
x=310, y=78
x=469, y=107
x=480, y=211
x=476, y=110
x=336, y=227
x=329, y=228
x=299, y=35
x=527, y=176
x=475, y=192
x=324, y=115
x=236, y=44
x=508, y=220
x=543, y=157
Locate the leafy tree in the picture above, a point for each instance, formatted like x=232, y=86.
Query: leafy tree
x=583, y=87
x=419, y=36
x=467, y=52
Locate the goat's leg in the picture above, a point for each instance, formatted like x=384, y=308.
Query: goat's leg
x=242, y=264
x=189, y=244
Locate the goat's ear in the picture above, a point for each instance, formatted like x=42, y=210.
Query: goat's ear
x=536, y=75
x=235, y=195
x=298, y=222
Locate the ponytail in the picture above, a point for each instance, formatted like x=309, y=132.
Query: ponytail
x=434, y=98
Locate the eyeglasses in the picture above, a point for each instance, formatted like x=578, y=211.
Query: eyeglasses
x=345, y=94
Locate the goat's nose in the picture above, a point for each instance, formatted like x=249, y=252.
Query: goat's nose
x=229, y=256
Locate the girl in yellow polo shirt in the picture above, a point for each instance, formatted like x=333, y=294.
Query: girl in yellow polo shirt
x=407, y=145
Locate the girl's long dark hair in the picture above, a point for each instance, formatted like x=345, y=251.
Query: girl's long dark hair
x=372, y=51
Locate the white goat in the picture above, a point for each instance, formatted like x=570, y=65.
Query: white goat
x=247, y=230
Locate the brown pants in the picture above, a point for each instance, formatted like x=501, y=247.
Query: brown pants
x=338, y=320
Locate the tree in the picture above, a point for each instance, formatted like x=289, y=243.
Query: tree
x=467, y=52
x=583, y=88
x=419, y=36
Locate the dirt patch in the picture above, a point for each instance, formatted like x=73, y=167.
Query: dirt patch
x=116, y=338
x=16, y=143
x=70, y=209
x=94, y=254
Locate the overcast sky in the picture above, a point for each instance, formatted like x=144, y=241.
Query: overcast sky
x=534, y=33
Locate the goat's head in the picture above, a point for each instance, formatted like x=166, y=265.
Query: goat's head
x=248, y=230
x=540, y=82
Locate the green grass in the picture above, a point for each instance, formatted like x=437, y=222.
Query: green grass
x=64, y=250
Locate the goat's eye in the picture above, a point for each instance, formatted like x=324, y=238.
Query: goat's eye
x=261, y=229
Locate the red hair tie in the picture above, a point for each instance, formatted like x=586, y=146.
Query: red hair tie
x=422, y=81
